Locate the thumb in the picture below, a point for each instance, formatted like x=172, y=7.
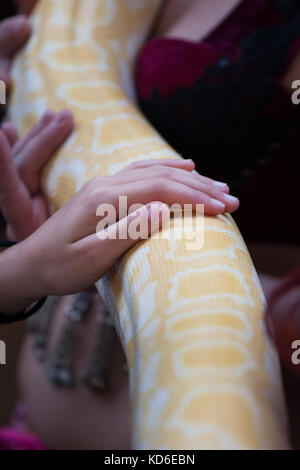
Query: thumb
x=114, y=241
x=139, y=225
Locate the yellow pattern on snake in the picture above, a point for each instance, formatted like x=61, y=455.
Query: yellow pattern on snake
x=203, y=373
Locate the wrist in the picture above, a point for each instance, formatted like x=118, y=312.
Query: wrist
x=19, y=280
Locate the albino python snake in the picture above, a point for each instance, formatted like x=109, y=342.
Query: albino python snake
x=203, y=372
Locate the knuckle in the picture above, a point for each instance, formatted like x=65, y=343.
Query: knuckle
x=134, y=165
x=160, y=185
x=89, y=185
x=92, y=185
x=162, y=171
x=95, y=198
x=166, y=172
x=92, y=197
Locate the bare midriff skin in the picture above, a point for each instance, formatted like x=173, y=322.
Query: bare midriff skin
x=80, y=419
x=192, y=19
x=76, y=418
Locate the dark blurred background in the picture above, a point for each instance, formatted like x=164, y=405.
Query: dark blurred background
x=7, y=8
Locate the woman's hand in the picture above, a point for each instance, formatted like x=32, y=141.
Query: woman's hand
x=68, y=253
x=21, y=162
x=65, y=254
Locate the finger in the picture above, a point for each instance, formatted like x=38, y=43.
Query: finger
x=107, y=246
x=45, y=120
x=13, y=34
x=14, y=198
x=218, y=184
x=170, y=192
x=38, y=215
x=169, y=172
x=39, y=210
x=191, y=180
x=195, y=181
x=9, y=179
x=40, y=149
x=92, y=205
x=187, y=165
x=175, y=163
x=11, y=133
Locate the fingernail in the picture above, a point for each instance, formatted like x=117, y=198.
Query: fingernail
x=218, y=184
x=61, y=119
x=230, y=199
x=48, y=116
x=218, y=204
